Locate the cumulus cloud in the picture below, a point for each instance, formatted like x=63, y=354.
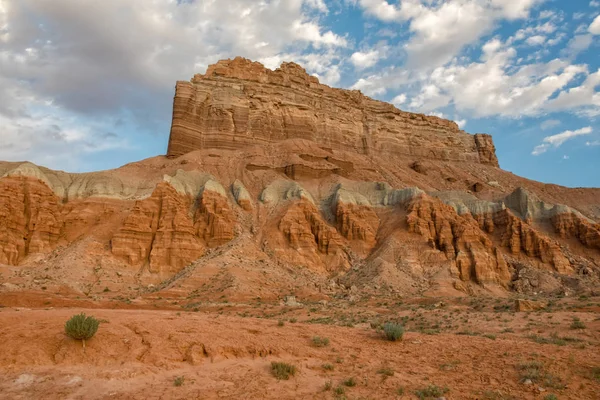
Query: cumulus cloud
x=364, y=60
x=594, y=28
x=536, y=40
x=442, y=29
x=558, y=139
x=95, y=62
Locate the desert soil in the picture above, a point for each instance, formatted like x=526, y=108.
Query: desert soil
x=464, y=348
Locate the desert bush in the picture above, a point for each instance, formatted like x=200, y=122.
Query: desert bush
x=431, y=391
x=281, y=370
x=81, y=327
x=318, y=341
x=577, y=324
x=393, y=331
x=350, y=382
x=179, y=381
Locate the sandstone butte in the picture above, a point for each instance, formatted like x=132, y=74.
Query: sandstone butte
x=274, y=183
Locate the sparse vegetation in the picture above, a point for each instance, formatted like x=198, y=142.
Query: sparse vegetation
x=280, y=323
x=179, y=381
x=393, y=331
x=550, y=397
x=350, y=382
x=282, y=371
x=431, y=391
x=534, y=371
x=327, y=367
x=81, y=327
x=577, y=324
x=386, y=371
x=318, y=341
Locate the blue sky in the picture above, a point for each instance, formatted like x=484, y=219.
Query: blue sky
x=87, y=85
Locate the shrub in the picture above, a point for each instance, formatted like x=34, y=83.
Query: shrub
x=281, y=370
x=339, y=390
x=327, y=367
x=318, y=341
x=350, y=382
x=577, y=324
x=551, y=397
x=393, y=331
x=80, y=327
x=386, y=371
x=179, y=381
x=431, y=391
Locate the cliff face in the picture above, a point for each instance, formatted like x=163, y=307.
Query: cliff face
x=238, y=103
x=271, y=168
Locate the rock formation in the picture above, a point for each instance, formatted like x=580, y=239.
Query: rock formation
x=272, y=167
x=238, y=103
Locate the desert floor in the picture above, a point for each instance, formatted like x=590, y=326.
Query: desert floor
x=453, y=348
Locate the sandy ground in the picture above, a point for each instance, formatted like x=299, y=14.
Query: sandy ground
x=473, y=348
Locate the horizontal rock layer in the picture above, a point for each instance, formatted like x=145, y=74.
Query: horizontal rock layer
x=238, y=104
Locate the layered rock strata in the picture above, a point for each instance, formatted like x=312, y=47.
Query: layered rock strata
x=238, y=103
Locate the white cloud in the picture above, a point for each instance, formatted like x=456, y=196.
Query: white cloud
x=317, y=4
x=558, y=139
x=566, y=157
x=94, y=63
x=442, y=29
x=536, y=40
x=594, y=143
x=594, y=28
x=578, y=44
x=399, y=100
x=584, y=95
x=461, y=123
x=365, y=60
x=594, y=3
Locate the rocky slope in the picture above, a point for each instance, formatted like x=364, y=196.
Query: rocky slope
x=274, y=183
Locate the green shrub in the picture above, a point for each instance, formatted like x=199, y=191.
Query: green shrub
x=80, y=327
x=393, y=331
x=179, y=381
x=327, y=367
x=350, y=382
x=386, y=371
x=577, y=324
x=551, y=397
x=281, y=370
x=318, y=341
x=431, y=391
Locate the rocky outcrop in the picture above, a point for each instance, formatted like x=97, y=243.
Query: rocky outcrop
x=570, y=224
x=215, y=221
x=486, y=149
x=30, y=218
x=304, y=228
x=460, y=238
x=520, y=237
x=158, y=232
x=238, y=103
x=241, y=195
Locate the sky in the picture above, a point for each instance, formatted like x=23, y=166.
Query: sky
x=88, y=85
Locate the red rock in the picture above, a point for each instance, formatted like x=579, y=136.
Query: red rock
x=572, y=225
x=239, y=103
x=460, y=238
x=30, y=216
x=158, y=232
